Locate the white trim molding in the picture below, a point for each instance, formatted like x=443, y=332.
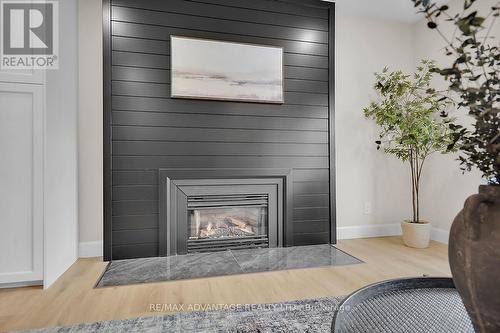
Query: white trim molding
x=385, y=230
x=440, y=235
x=366, y=231
x=90, y=249
x=21, y=284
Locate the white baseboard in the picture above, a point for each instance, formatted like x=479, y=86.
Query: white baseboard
x=90, y=249
x=383, y=230
x=366, y=231
x=21, y=284
x=440, y=235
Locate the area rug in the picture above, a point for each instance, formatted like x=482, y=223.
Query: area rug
x=417, y=311
x=299, y=316
x=229, y=262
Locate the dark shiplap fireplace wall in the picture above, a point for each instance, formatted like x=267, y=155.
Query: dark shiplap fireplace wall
x=146, y=130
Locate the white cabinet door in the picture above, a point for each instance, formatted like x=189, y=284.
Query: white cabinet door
x=21, y=183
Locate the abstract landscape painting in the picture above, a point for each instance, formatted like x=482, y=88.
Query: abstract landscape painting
x=209, y=69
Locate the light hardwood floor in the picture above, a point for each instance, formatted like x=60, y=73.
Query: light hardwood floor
x=72, y=299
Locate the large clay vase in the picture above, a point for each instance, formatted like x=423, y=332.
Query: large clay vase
x=474, y=253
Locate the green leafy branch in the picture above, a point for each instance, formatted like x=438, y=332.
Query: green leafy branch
x=474, y=77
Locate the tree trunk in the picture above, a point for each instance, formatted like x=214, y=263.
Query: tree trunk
x=413, y=179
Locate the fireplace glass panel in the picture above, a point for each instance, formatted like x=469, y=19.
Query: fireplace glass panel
x=227, y=222
x=218, y=222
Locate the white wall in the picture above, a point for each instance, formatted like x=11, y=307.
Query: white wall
x=61, y=166
x=372, y=188
x=445, y=188
x=90, y=127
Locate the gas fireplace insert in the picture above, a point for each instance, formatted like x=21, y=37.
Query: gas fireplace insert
x=204, y=215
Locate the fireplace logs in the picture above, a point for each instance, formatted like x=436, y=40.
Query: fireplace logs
x=228, y=223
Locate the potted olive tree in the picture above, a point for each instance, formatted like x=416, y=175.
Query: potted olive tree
x=474, y=80
x=413, y=125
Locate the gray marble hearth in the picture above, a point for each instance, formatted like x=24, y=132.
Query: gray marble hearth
x=276, y=259
x=199, y=265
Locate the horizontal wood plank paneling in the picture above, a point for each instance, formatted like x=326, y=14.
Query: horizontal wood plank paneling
x=228, y=13
x=149, y=53
x=306, y=180
x=306, y=73
x=305, y=60
x=311, y=213
x=273, y=7
x=144, y=47
x=153, y=75
x=144, y=148
x=139, y=60
x=150, y=130
x=311, y=86
x=131, y=118
x=311, y=200
x=311, y=238
x=135, y=192
x=127, y=237
x=167, y=19
x=135, y=177
x=184, y=106
x=132, y=84
x=162, y=62
x=135, y=207
x=313, y=187
x=310, y=175
x=321, y=226
x=156, y=162
x=144, y=31
x=216, y=135
x=131, y=251
x=134, y=222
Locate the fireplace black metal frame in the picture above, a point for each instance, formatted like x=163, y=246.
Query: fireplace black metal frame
x=171, y=182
